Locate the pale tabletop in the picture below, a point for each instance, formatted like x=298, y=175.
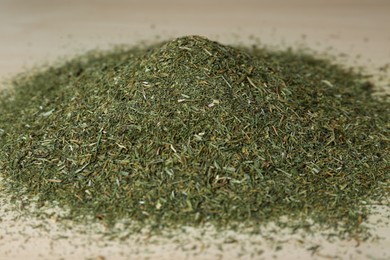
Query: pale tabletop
x=35, y=32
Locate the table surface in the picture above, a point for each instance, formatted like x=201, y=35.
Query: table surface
x=37, y=32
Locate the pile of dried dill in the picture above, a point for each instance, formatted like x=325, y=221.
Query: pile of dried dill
x=191, y=131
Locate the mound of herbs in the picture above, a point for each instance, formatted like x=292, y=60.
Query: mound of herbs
x=191, y=131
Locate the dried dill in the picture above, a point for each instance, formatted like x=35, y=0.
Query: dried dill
x=190, y=131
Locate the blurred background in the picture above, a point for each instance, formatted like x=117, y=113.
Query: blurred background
x=38, y=31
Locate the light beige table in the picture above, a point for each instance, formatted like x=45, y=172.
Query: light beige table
x=39, y=31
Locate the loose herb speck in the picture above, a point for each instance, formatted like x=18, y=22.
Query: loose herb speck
x=190, y=131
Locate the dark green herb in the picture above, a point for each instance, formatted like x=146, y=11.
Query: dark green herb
x=191, y=131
